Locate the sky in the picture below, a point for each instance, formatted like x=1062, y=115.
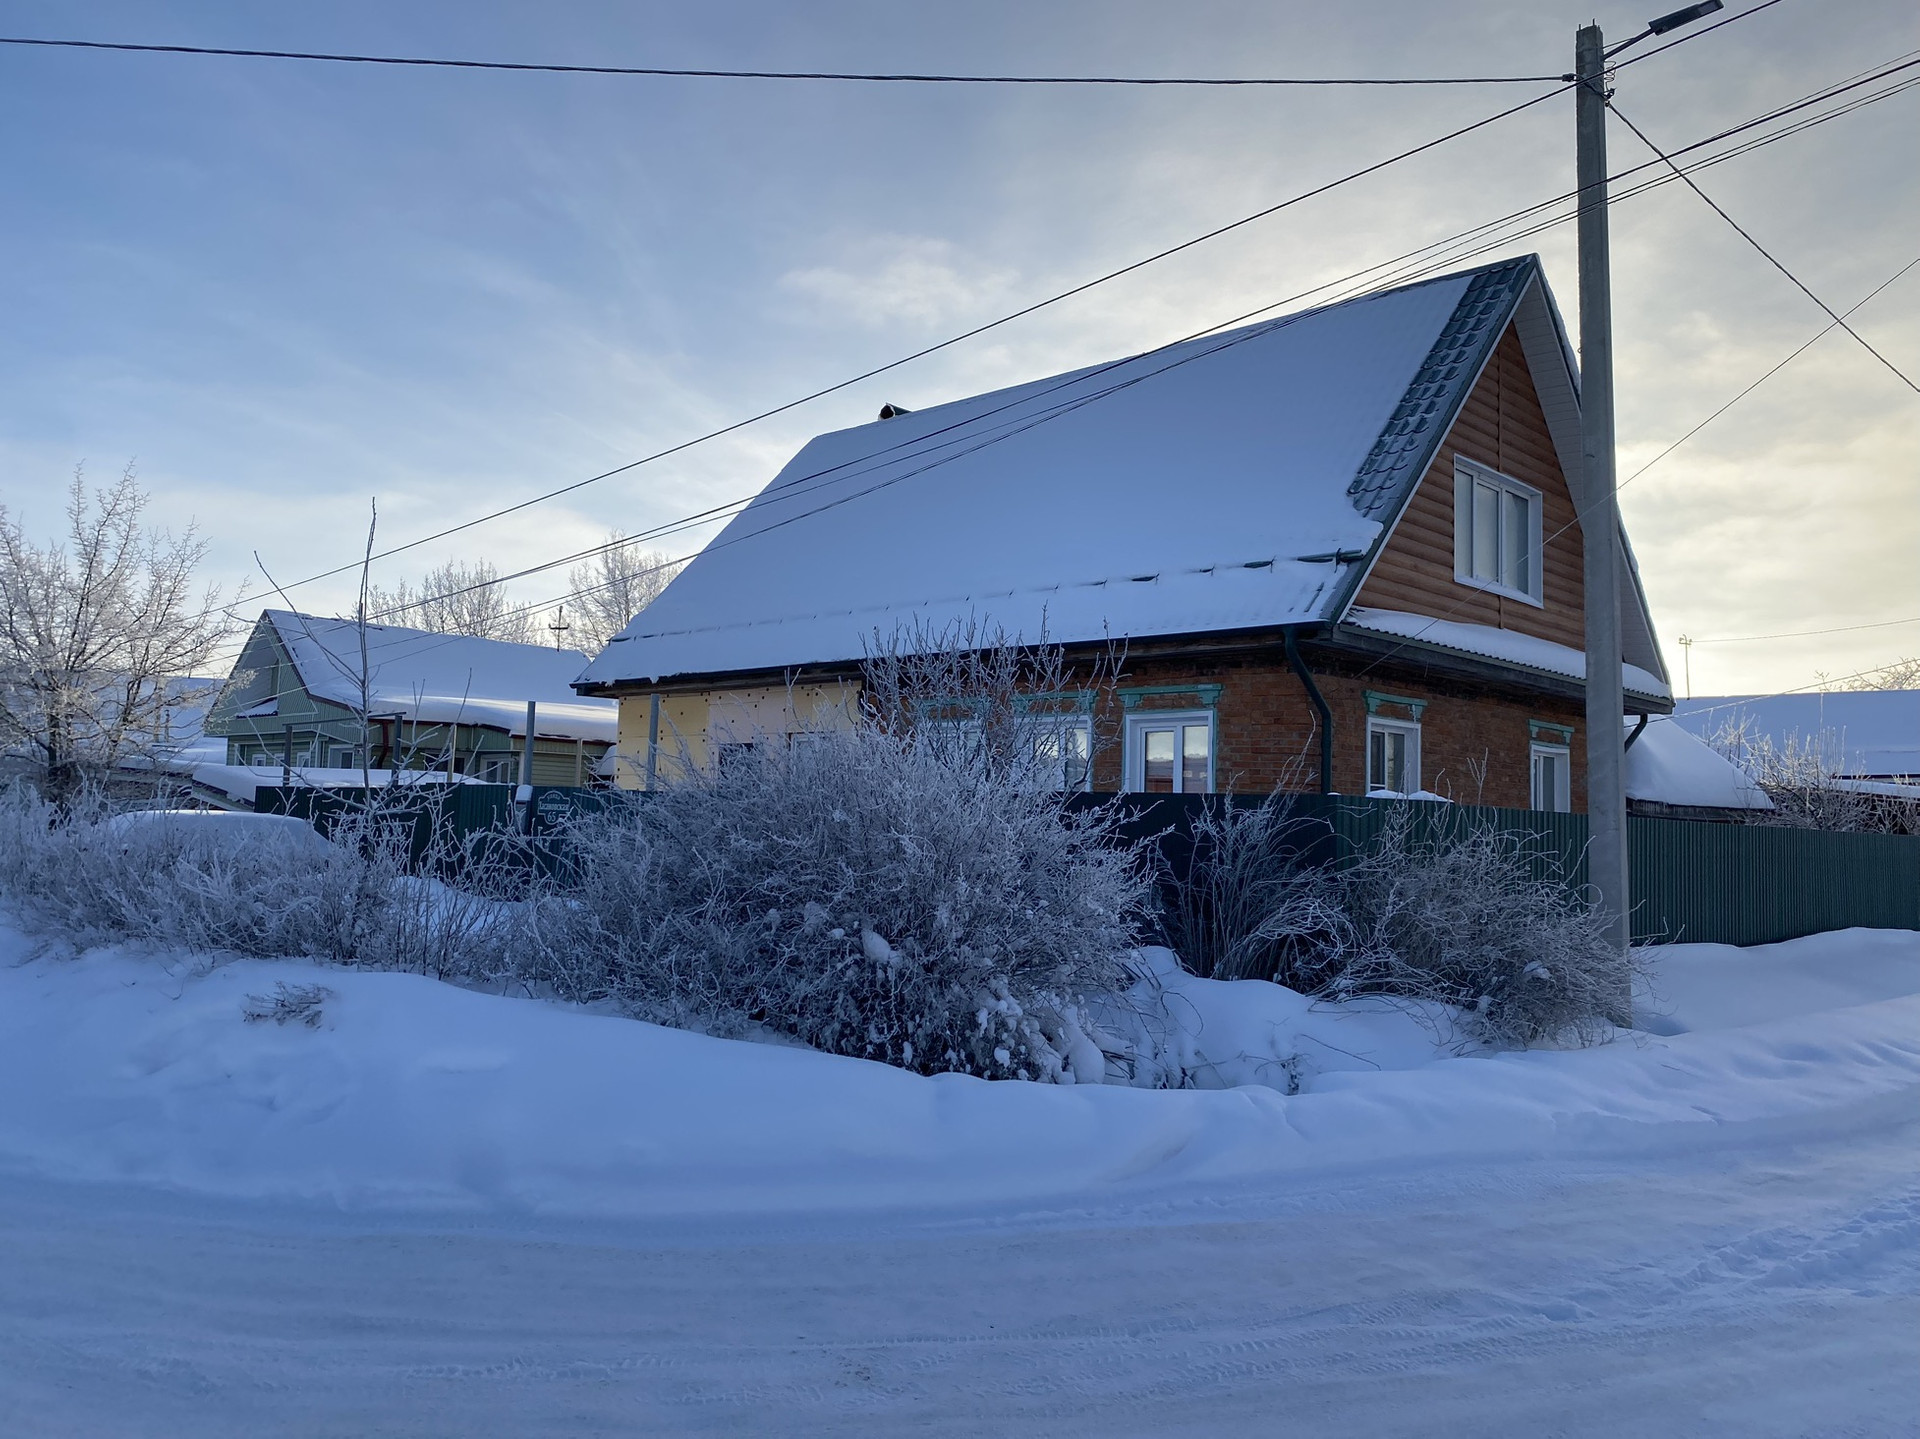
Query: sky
x=286, y=290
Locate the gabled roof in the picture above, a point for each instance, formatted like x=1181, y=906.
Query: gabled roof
x=1242, y=481
x=442, y=679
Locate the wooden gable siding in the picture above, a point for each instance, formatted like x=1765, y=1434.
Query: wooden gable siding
x=1500, y=426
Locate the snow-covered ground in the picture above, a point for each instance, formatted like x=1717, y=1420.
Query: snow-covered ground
x=440, y=1212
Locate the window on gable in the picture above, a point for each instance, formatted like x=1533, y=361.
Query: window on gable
x=1393, y=756
x=1496, y=532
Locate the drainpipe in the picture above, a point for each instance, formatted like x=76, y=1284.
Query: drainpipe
x=1319, y=708
x=653, y=738
x=1636, y=733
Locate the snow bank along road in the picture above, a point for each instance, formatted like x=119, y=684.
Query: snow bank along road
x=400, y=1229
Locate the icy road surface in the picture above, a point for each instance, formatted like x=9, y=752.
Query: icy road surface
x=1747, y=1289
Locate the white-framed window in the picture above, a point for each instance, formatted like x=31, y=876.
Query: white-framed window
x=1496, y=532
x=1551, y=766
x=343, y=757
x=1393, y=756
x=1170, y=752
x=1060, y=748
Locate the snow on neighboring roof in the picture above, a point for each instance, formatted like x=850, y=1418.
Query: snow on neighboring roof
x=241, y=782
x=1858, y=734
x=445, y=679
x=1125, y=500
x=1490, y=643
x=1670, y=766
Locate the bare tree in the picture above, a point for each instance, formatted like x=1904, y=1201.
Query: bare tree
x=456, y=599
x=613, y=587
x=94, y=630
x=1902, y=674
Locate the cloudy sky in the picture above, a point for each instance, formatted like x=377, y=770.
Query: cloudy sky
x=283, y=289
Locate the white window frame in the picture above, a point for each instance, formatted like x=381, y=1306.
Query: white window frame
x=1409, y=728
x=1560, y=802
x=1036, y=727
x=1467, y=474
x=1140, y=721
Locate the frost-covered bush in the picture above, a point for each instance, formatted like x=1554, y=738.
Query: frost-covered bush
x=1458, y=924
x=1466, y=923
x=863, y=892
x=245, y=885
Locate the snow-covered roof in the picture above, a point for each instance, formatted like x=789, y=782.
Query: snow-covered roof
x=1860, y=734
x=241, y=782
x=1486, y=642
x=444, y=679
x=1670, y=766
x=1229, y=482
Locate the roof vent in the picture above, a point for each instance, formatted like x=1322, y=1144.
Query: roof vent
x=888, y=411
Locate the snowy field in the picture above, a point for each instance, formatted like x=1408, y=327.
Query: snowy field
x=436, y=1212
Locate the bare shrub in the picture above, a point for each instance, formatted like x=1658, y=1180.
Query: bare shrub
x=1254, y=903
x=863, y=893
x=1799, y=775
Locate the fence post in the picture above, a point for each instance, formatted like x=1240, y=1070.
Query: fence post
x=523, y=796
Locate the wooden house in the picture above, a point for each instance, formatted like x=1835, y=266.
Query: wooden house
x=301, y=691
x=1340, y=550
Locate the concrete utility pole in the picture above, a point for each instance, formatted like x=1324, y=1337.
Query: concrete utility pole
x=1599, y=514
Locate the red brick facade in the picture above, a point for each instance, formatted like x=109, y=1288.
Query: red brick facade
x=1475, y=738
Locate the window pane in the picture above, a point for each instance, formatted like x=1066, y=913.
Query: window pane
x=1195, y=744
x=1515, y=561
x=1158, y=769
x=1376, y=760
x=1486, y=532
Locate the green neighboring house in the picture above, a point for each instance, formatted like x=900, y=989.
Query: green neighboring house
x=304, y=690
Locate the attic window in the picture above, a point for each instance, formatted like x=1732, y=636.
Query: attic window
x=1496, y=532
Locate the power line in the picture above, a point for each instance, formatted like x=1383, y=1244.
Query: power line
x=666, y=72
x=922, y=353
x=1803, y=634
x=1397, y=273
x=1765, y=253
x=802, y=484
x=1767, y=376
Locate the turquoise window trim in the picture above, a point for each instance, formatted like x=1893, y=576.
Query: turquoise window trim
x=1539, y=729
x=1131, y=695
x=1081, y=700
x=1375, y=699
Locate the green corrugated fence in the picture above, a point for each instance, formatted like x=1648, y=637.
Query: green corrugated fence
x=1692, y=881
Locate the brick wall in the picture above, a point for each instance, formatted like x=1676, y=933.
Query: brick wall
x=1475, y=739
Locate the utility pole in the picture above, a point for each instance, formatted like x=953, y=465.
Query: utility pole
x=1599, y=511
x=1599, y=515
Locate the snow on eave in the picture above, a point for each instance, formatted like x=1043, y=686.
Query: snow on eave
x=1510, y=647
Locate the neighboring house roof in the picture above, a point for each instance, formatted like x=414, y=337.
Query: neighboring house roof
x=1667, y=765
x=1858, y=734
x=1243, y=481
x=443, y=679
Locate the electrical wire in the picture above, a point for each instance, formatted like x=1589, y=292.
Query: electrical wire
x=665, y=72
x=1765, y=253
x=1370, y=287
x=1803, y=634
x=935, y=348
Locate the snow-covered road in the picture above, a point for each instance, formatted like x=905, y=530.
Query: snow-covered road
x=434, y=1212
x=1750, y=1288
